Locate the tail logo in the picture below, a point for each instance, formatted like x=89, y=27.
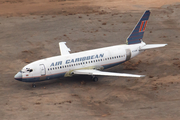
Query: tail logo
x=143, y=26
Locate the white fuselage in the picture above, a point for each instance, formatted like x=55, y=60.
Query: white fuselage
x=61, y=66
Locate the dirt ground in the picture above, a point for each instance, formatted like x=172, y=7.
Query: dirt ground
x=31, y=30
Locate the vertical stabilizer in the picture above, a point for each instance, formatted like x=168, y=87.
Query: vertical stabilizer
x=138, y=32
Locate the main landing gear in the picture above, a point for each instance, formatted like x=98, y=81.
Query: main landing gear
x=33, y=85
x=95, y=79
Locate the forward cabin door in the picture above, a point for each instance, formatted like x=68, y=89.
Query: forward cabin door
x=43, y=69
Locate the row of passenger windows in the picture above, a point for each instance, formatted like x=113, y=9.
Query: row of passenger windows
x=92, y=61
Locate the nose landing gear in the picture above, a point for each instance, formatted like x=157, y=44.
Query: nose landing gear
x=33, y=85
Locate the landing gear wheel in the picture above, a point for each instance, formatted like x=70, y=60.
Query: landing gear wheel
x=95, y=79
x=33, y=85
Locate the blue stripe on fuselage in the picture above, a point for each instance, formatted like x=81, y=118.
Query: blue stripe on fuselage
x=47, y=77
x=112, y=64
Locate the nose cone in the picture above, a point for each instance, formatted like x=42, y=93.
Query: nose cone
x=18, y=76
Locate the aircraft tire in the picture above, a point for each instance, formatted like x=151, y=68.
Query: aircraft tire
x=95, y=79
x=33, y=85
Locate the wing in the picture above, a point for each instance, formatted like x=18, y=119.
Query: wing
x=64, y=50
x=96, y=72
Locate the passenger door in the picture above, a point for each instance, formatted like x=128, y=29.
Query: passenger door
x=43, y=69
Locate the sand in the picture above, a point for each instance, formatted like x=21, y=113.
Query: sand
x=31, y=30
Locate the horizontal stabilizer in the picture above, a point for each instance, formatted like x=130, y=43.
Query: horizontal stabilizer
x=96, y=72
x=150, y=46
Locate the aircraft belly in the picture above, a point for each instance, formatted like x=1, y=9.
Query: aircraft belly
x=112, y=64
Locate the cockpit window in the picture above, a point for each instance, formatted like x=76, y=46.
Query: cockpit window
x=21, y=71
x=29, y=70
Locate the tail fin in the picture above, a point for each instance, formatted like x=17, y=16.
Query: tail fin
x=138, y=32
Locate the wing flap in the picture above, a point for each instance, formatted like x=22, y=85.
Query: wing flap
x=96, y=72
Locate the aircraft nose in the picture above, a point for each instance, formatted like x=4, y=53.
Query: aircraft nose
x=18, y=76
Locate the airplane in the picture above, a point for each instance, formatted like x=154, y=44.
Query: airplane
x=90, y=62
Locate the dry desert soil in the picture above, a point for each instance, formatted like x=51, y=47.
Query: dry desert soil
x=31, y=30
